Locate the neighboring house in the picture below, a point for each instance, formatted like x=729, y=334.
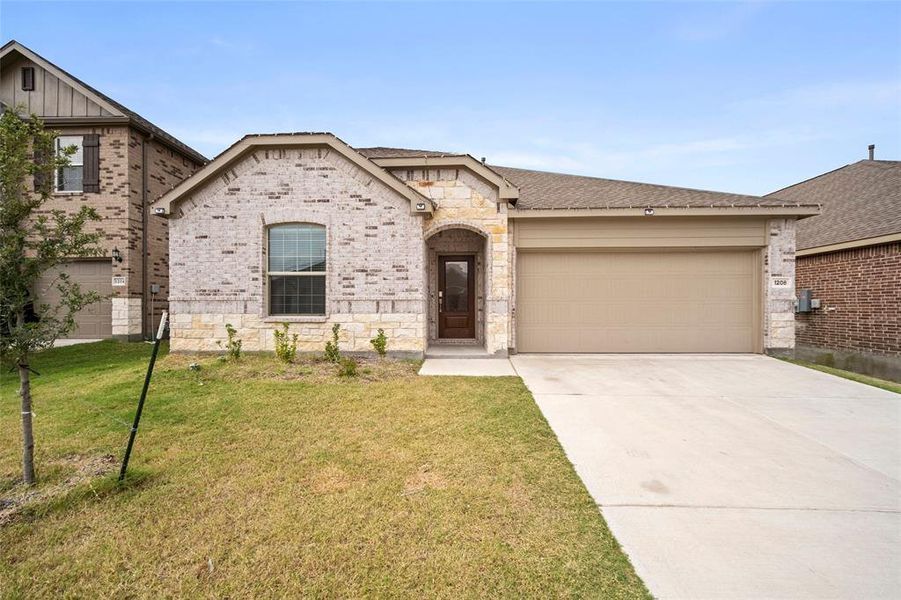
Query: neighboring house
x=849, y=257
x=441, y=248
x=123, y=162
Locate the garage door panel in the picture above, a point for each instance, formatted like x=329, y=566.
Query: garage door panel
x=95, y=320
x=636, y=301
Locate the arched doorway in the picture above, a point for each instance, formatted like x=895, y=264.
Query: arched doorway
x=456, y=286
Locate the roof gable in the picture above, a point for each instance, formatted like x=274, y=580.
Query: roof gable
x=59, y=96
x=419, y=204
x=401, y=157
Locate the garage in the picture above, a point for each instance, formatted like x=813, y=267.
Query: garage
x=667, y=286
x=96, y=320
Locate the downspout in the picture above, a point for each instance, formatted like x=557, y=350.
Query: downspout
x=145, y=290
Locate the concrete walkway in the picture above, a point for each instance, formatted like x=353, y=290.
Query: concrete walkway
x=74, y=342
x=733, y=476
x=468, y=367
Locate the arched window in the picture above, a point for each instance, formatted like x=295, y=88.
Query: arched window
x=297, y=269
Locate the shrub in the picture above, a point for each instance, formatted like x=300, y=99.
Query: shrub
x=347, y=367
x=332, y=351
x=233, y=344
x=285, y=344
x=380, y=343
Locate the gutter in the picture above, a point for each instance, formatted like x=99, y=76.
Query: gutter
x=873, y=241
x=666, y=211
x=109, y=121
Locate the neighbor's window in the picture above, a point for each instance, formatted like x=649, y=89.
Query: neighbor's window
x=69, y=178
x=297, y=269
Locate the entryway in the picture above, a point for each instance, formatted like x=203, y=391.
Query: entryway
x=456, y=297
x=456, y=289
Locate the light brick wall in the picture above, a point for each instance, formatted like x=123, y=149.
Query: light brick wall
x=779, y=302
x=375, y=254
x=860, y=292
x=466, y=201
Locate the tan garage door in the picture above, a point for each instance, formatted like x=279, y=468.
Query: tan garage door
x=658, y=301
x=96, y=320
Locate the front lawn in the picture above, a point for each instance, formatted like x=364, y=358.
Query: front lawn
x=256, y=480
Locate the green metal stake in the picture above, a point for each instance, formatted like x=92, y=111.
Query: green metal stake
x=134, y=426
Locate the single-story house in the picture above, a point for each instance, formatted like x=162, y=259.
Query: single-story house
x=849, y=258
x=438, y=248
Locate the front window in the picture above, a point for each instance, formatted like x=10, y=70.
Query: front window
x=297, y=269
x=69, y=178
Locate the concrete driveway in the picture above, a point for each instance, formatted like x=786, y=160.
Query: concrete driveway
x=735, y=476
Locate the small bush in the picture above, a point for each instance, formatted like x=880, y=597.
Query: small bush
x=233, y=345
x=285, y=344
x=347, y=367
x=332, y=351
x=380, y=343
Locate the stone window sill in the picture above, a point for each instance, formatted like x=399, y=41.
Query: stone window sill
x=296, y=319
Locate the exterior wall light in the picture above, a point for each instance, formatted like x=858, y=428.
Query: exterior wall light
x=649, y=212
x=117, y=256
x=420, y=206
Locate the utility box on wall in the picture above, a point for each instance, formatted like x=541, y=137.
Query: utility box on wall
x=804, y=301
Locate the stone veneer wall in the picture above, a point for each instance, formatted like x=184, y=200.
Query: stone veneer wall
x=466, y=201
x=375, y=254
x=779, y=302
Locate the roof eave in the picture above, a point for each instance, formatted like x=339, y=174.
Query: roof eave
x=667, y=211
x=419, y=204
x=861, y=243
x=124, y=120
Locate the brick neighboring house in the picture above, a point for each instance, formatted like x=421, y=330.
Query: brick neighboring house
x=443, y=249
x=850, y=259
x=123, y=163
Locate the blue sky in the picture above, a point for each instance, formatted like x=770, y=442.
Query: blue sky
x=743, y=97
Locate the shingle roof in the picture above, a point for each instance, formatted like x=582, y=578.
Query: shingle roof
x=543, y=190
x=384, y=152
x=137, y=119
x=861, y=200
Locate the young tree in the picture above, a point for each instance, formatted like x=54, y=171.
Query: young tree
x=32, y=241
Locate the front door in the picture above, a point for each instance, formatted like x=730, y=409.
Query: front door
x=456, y=300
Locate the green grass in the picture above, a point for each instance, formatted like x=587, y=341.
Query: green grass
x=258, y=479
x=874, y=381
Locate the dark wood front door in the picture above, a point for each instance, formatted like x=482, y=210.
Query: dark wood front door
x=456, y=297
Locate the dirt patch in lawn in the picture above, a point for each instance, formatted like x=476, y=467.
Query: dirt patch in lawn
x=312, y=369
x=16, y=499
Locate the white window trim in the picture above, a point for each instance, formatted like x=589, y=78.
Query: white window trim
x=269, y=317
x=56, y=189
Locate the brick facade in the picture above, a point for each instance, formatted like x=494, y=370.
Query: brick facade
x=165, y=169
x=381, y=258
x=860, y=294
x=375, y=256
x=119, y=205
